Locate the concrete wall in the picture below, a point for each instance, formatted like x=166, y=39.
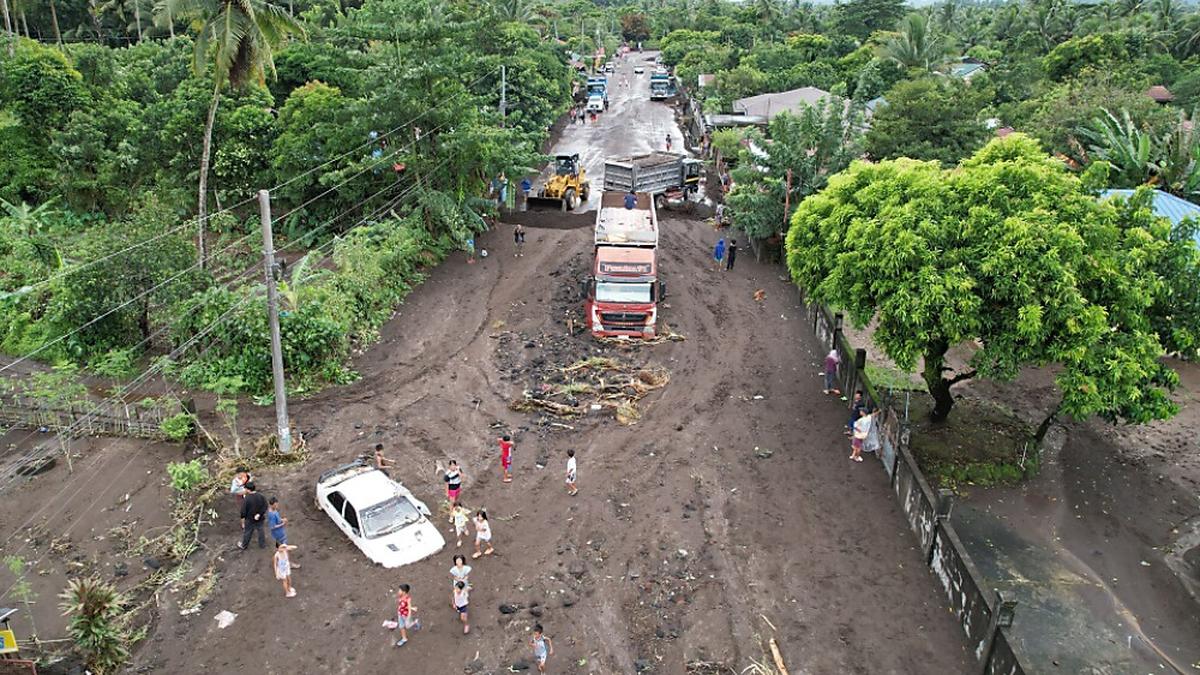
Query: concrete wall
x=967, y=594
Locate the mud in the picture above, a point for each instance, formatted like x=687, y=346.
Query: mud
x=728, y=514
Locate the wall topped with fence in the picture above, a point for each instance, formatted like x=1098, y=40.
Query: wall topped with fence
x=983, y=615
x=85, y=418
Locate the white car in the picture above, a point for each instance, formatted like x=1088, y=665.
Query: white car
x=595, y=104
x=638, y=70
x=383, y=519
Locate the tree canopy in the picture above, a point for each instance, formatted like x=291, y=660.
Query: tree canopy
x=1008, y=254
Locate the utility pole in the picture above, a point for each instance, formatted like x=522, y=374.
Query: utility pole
x=503, y=93
x=281, y=415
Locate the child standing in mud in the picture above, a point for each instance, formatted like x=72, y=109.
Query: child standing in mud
x=460, y=516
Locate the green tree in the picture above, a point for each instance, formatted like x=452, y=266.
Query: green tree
x=860, y=18
x=804, y=150
x=1008, y=253
x=915, y=45
x=635, y=27
x=930, y=118
x=239, y=37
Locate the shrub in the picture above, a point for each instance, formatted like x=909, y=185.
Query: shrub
x=95, y=607
x=177, y=427
x=187, y=475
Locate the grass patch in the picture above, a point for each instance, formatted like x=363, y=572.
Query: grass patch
x=981, y=444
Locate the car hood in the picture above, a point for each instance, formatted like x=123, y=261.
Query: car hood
x=407, y=545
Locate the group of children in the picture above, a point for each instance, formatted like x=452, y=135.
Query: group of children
x=461, y=518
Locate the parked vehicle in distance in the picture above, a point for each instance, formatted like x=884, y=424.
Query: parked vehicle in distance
x=638, y=70
x=383, y=519
x=595, y=104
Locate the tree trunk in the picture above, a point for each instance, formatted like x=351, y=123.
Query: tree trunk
x=939, y=387
x=170, y=22
x=26, y=24
x=1044, y=427
x=54, y=20
x=7, y=26
x=202, y=216
x=137, y=16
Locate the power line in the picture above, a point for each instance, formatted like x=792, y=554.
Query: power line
x=193, y=220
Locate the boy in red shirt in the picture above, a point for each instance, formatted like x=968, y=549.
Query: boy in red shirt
x=404, y=614
x=506, y=447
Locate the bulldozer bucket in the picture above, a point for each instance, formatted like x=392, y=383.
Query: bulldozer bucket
x=546, y=204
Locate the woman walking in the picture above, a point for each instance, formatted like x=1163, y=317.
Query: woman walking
x=719, y=252
x=483, y=534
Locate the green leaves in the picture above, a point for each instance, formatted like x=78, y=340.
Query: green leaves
x=1008, y=255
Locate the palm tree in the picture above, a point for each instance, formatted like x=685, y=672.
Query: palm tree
x=915, y=45
x=518, y=11
x=239, y=37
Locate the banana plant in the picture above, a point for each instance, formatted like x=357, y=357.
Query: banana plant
x=1119, y=141
x=303, y=274
x=1178, y=166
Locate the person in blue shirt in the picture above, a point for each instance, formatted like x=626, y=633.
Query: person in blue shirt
x=526, y=187
x=631, y=200
x=276, y=522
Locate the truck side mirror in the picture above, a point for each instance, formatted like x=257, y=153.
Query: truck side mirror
x=583, y=288
x=662, y=290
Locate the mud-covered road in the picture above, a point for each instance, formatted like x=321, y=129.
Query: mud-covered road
x=729, y=514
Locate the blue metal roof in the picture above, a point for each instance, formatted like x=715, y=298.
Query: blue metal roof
x=1165, y=204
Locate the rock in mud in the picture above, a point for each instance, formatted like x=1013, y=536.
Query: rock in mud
x=569, y=600
x=506, y=608
x=520, y=665
x=475, y=666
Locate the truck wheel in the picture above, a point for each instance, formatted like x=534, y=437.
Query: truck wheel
x=570, y=201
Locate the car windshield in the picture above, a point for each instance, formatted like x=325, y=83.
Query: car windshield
x=389, y=516
x=607, y=291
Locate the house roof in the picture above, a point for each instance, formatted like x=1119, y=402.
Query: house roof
x=1164, y=204
x=769, y=105
x=966, y=70
x=1160, y=94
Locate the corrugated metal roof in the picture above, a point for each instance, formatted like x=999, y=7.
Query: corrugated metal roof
x=1174, y=209
x=769, y=105
x=966, y=70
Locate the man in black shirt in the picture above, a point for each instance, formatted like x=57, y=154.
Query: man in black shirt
x=730, y=254
x=254, y=514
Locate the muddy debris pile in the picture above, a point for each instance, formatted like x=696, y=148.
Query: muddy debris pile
x=599, y=384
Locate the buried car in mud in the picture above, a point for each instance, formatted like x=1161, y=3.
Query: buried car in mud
x=383, y=519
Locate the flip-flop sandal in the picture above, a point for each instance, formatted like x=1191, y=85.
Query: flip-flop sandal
x=475, y=555
x=506, y=480
x=489, y=551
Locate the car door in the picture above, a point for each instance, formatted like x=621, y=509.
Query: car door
x=337, y=511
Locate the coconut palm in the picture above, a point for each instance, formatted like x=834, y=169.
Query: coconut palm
x=915, y=44
x=239, y=38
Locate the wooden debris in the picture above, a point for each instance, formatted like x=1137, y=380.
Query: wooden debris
x=778, y=658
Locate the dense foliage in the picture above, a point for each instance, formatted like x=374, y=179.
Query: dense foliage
x=378, y=123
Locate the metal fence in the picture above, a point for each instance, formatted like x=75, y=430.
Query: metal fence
x=981, y=614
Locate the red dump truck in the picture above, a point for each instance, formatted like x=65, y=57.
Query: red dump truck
x=622, y=293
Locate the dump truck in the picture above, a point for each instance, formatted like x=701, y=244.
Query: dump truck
x=671, y=174
x=662, y=86
x=566, y=189
x=622, y=292
x=597, y=85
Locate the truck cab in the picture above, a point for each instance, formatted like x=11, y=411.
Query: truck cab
x=622, y=293
x=661, y=86
x=597, y=85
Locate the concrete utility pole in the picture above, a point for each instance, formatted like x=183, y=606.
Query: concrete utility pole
x=281, y=416
x=503, y=93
